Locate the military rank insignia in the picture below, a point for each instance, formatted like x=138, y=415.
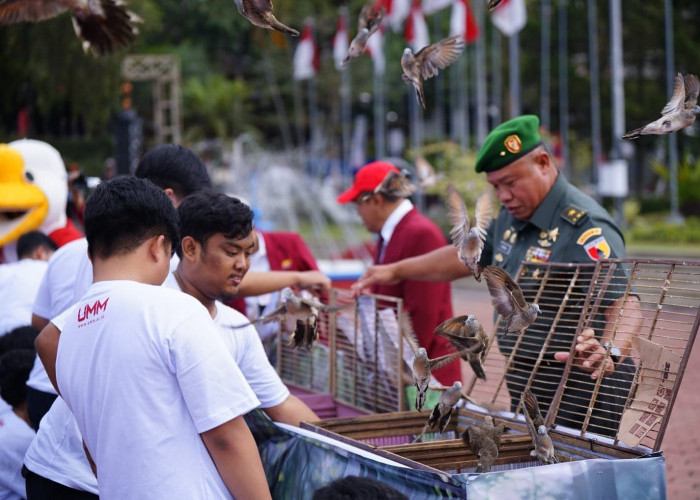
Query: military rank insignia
x=573, y=214
x=594, y=243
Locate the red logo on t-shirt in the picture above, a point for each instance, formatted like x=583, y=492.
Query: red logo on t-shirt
x=92, y=310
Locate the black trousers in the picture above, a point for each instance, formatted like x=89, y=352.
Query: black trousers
x=40, y=488
x=38, y=403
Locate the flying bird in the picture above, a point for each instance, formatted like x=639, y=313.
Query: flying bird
x=484, y=441
x=468, y=336
x=443, y=410
x=259, y=13
x=396, y=185
x=680, y=111
x=544, y=448
x=469, y=237
x=493, y=4
x=422, y=365
x=303, y=312
x=367, y=23
x=102, y=25
x=507, y=298
x=426, y=173
x=427, y=61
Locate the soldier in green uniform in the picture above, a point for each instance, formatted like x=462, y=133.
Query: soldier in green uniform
x=543, y=219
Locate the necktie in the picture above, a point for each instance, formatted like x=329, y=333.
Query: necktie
x=380, y=249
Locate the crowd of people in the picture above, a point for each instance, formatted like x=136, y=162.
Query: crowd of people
x=142, y=372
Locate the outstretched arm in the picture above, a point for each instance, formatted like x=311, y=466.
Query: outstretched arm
x=233, y=449
x=441, y=264
x=291, y=411
x=259, y=283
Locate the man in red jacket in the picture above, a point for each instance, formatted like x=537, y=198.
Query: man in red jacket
x=404, y=232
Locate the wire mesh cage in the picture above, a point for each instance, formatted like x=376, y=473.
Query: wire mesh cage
x=359, y=355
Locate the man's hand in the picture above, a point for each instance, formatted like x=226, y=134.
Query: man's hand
x=314, y=280
x=375, y=275
x=589, y=355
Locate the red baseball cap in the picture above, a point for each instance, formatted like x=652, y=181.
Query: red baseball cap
x=367, y=179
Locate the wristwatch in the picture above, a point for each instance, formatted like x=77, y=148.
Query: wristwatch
x=615, y=353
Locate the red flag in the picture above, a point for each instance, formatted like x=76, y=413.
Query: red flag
x=306, y=56
x=340, y=42
x=510, y=16
x=416, y=31
x=396, y=12
x=462, y=21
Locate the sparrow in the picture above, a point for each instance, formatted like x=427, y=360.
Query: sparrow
x=304, y=312
x=396, y=185
x=507, y=298
x=102, y=25
x=680, y=111
x=259, y=13
x=428, y=60
x=367, y=23
x=484, y=441
x=425, y=172
x=422, y=365
x=493, y=4
x=443, y=410
x=469, y=237
x=544, y=448
x=468, y=336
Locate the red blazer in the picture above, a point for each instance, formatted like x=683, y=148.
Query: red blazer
x=429, y=304
x=285, y=252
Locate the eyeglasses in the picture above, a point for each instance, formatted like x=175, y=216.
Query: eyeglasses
x=362, y=198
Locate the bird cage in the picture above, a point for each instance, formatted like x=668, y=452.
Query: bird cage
x=358, y=358
x=621, y=415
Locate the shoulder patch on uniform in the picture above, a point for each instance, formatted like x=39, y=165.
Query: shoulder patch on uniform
x=573, y=215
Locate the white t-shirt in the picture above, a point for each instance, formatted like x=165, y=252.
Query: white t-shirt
x=145, y=371
x=15, y=436
x=246, y=348
x=65, y=280
x=19, y=283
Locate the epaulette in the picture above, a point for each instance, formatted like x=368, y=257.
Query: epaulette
x=573, y=215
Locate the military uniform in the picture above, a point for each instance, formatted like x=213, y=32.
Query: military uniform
x=567, y=226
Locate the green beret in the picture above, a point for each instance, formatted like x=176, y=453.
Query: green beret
x=508, y=142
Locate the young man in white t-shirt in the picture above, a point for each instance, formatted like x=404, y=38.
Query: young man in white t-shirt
x=217, y=240
x=156, y=395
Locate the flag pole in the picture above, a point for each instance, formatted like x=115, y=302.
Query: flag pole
x=496, y=78
x=514, y=74
x=379, y=143
x=563, y=84
x=597, y=145
x=345, y=104
x=618, y=92
x=675, y=217
x=545, y=67
x=439, y=86
x=480, y=61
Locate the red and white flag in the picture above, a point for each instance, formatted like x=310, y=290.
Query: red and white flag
x=396, y=12
x=416, y=31
x=432, y=6
x=340, y=42
x=306, y=56
x=462, y=21
x=375, y=48
x=510, y=16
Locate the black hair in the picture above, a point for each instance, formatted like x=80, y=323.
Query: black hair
x=21, y=337
x=356, y=488
x=206, y=213
x=15, y=366
x=32, y=240
x=174, y=167
x=122, y=213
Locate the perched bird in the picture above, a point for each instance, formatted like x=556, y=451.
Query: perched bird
x=422, y=365
x=468, y=236
x=544, y=448
x=259, y=13
x=304, y=312
x=428, y=60
x=468, y=336
x=101, y=25
x=507, y=298
x=443, y=410
x=493, y=4
x=679, y=112
x=367, y=23
x=426, y=173
x=484, y=441
x=396, y=184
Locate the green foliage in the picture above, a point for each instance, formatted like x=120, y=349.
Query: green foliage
x=656, y=229
x=688, y=182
